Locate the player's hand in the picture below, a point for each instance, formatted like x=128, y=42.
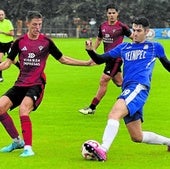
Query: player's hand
x=89, y=44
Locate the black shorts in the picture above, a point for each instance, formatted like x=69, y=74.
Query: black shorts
x=113, y=66
x=16, y=95
x=4, y=47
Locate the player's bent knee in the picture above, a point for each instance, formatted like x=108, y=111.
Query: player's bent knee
x=118, y=83
x=136, y=139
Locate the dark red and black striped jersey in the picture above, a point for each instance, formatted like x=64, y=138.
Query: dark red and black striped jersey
x=32, y=56
x=113, y=35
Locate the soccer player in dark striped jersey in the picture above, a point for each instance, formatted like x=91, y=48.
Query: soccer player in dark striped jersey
x=33, y=49
x=138, y=62
x=111, y=32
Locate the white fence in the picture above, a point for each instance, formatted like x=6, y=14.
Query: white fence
x=162, y=33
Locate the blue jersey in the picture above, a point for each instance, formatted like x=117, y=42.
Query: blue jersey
x=138, y=59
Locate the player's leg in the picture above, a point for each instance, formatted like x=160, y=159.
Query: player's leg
x=131, y=99
x=135, y=130
x=117, y=79
x=116, y=73
x=104, y=80
x=134, y=118
x=137, y=135
x=26, y=125
x=118, y=111
x=30, y=102
x=7, y=122
x=112, y=71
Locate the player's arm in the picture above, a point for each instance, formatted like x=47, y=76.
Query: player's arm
x=99, y=39
x=166, y=63
x=5, y=64
x=127, y=31
x=58, y=55
x=10, y=33
x=97, y=43
x=99, y=59
x=75, y=62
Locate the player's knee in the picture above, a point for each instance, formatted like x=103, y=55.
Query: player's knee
x=104, y=81
x=136, y=139
x=117, y=82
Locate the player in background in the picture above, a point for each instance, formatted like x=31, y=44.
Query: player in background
x=27, y=93
x=111, y=32
x=138, y=62
x=6, y=38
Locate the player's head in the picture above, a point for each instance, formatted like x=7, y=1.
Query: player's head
x=34, y=23
x=140, y=26
x=32, y=15
x=112, y=13
x=2, y=15
x=144, y=22
x=112, y=6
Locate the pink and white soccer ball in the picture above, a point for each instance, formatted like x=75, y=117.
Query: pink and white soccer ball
x=87, y=155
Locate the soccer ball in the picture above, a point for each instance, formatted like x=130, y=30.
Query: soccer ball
x=86, y=154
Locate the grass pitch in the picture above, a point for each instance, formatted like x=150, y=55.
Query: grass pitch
x=59, y=129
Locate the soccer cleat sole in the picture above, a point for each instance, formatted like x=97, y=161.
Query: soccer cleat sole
x=92, y=150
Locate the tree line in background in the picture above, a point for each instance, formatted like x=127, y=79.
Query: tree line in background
x=70, y=13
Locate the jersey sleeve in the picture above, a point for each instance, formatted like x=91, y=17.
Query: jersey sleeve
x=100, y=35
x=54, y=51
x=14, y=50
x=116, y=52
x=11, y=27
x=126, y=30
x=160, y=53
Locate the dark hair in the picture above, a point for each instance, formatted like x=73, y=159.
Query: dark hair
x=112, y=6
x=33, y=14
x=141, y=21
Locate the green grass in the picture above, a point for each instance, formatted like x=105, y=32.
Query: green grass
x=59, y=129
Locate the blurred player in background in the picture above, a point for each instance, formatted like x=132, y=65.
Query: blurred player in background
x=6, y=38
x=27, y=93
x=111, y=32
x=138, y=62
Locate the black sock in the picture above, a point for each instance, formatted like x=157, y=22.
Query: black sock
x=92, y=106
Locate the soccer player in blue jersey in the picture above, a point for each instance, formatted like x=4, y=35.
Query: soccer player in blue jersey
x=138, y=63
x=33, y=49
x=112, y=33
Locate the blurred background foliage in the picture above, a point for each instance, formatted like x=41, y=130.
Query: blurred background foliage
x=69, y=13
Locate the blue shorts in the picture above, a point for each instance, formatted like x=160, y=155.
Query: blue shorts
x=135, y=96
